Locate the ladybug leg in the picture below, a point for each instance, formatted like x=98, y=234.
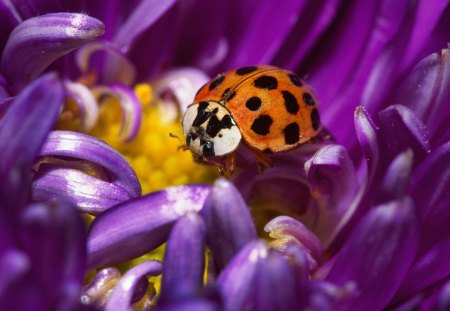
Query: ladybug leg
x=262, y=160
x=323, y=135
x=230, y=164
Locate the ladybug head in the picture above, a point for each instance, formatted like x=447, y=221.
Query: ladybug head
x=210, y=130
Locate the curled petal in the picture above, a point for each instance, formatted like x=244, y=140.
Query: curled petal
x=178, y=87
x=285, y=229
x=131, y=108
x=97, y=292
x=89, y=194
x=86, y=101
x=122, y=294
x=116, y=65
x=380, y=251
x=80, y=146
x=396, y=181
x=184, y=262
x=402, y=130
x=23, y=130
x=140, y=225
x=226, y=233
x=38, y=41
x=55, y=240
x=142, y=18
x=335, y=187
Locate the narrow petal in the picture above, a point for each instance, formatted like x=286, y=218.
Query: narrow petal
x=378, y=254
x=115, y=67
x=89, y=194
x=83, y=147
x=184, y=260
x=29, y=119
x=135, y=227
x=131, y=108
x=86, y=102
x=38, y=41
x=396, y=181
x=401, y=130
x=335, y=187
x=97, y=292
x=142, y=18
x=226, y=233
x=55, y=240
x=284, y=228
x=122, y=294
x=237, y=280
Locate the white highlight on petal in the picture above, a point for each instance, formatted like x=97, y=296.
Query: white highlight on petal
x=86, y=101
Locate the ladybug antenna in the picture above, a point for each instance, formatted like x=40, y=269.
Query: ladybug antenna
x=182, y=144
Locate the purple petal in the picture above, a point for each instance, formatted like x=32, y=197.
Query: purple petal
x=135, y=227
x=402, y=130
x=226, y=233
x=29, y=119
x=396, y=181
x=284, y=229
x=443, y=298
x=142, y=18
x=14, y=264
x=83, y=147
x=122, y=294
x=86, y=102
x=54, y=238
x=89, y=194
x=115, y=67
x=243, y=267
x=39, y=41
x=97, y=292
x=431, y=182
x=333, y=179
x=378, y=254
x=189, y=305
x=184, y=260
x=131, y=108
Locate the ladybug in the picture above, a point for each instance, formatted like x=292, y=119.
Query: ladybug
x=270, y=109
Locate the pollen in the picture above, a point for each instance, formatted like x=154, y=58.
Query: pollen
x=154, y=155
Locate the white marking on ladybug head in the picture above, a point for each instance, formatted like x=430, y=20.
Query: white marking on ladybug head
x=210, y=130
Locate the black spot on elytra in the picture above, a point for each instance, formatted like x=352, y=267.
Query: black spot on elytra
x=246, y=70
x=295, y=80
x=315, y=119
x=228, y=94
x=290, y=102
x=253, y=103
x=291, y=133
x=261, y=125
x=266, y=82
x=202, y=114
x=216, y=82
x=215, y=125
x=308, y=99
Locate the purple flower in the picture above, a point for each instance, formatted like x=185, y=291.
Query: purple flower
x=358, y=222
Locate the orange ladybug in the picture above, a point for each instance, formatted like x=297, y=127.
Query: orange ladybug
x=268, y=108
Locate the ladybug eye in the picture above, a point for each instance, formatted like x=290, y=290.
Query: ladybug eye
x=208, y=149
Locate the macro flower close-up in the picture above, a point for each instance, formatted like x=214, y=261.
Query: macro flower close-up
x=224, y=155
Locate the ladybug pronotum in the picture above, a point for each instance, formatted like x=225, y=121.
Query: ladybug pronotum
x=269, y=109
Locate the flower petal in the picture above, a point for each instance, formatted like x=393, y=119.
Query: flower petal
x=443, y=298
x=135, y=227
x=226, y=233
x=122, y=294
x=396, y=181
x=131, y=108
x=38, y=41
x=83, y=147
x=54, y=238
x=142, y=18
x=378, y=254
x=335, y=187
x=89, y=194
x=402, y=130
x=29, y=119
x=97, y=292
x=184, y=260
x=86, y=102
